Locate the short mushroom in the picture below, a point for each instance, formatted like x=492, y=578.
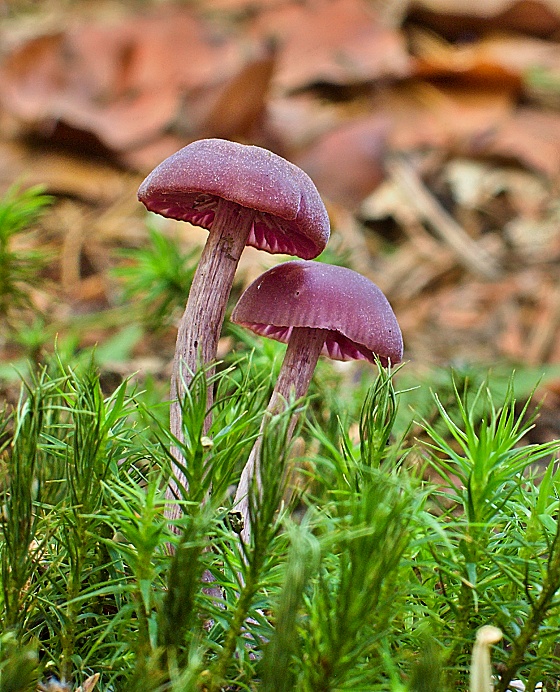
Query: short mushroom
x=315, y=308
x=243, y=195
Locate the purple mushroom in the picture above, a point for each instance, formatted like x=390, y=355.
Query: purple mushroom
x=243, y=195
x=315, y=308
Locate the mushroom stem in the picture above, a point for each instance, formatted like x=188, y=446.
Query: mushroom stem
x=304, y=348
x=201, y=324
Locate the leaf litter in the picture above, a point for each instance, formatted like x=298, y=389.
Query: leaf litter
x=430, y=128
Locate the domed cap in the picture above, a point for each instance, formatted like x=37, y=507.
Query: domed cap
x=290, y=215
x=360, y=321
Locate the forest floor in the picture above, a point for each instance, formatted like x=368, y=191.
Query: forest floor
x=432, y=132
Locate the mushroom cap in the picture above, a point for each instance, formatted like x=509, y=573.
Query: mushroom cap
x=290, y=216
x=360, y=322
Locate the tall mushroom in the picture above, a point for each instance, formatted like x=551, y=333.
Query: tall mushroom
x=316, y=308
x=243, y=195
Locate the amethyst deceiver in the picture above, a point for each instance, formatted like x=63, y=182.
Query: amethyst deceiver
x=316, y=308
x=287, y=214
x=360, y=323
x=243, y=195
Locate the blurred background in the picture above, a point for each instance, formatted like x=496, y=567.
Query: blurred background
x=430, y=127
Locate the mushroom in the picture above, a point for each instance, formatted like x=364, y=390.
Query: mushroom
x=315, y=308
x=243, y=195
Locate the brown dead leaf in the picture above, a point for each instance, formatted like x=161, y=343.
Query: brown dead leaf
x=333, y=42
x=30, y=76
x=124, y=83
x=515, y=53
x=239, y=104
x=297, y=120
x=530, y=136
x=467, y=114
x=415, y=115
x=346, y=164
x=148, y=155
x=127, y=123
x=499, y=58
x=168, y=46
x=423, y=115
x=455, y=18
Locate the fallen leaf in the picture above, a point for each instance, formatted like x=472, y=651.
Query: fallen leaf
x=124, y=82
x=148, y=155
x=334, y=42
x=31, y=76
x=531, y=136
x=239, y=104
x=447, y=117
x=454, y=18
x=355, y=150
x=295, y=121
x=503, y=59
